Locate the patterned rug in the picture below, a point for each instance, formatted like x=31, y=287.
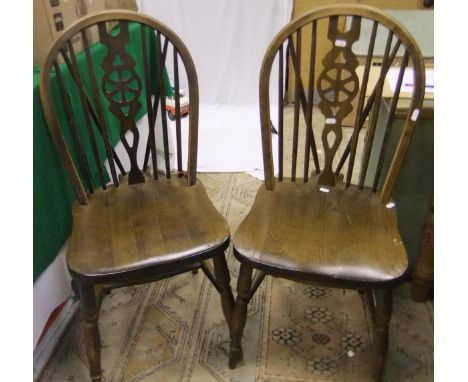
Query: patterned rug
x=173, y=330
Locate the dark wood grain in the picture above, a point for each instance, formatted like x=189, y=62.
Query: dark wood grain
x=389, y=123
x=367, y=108
x=374, y=113
x=344, y=234
x=99, y=107
x=90, y=107
x=123, y=91
x=362, y=95
x=124, y=229
x=155, y=107
x=138, y=229
x=337, y=86
x=324, y=230
x=177, y=107
x=239, y=316
x=162, y=100
x=298, y=89
x=383, y=314
x=280, y=113
x=82, y=160
x=86, y=112
x=223, y=279
x=92, y=340
x=151, y=145
x=310, y=141
x=301, y=98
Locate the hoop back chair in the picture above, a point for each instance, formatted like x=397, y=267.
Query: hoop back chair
x=334, y=223
x=142, y=226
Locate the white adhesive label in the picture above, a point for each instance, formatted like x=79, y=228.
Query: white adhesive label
x=330, y=121
x=415, y=115
x=341, y=43
x=323, y=189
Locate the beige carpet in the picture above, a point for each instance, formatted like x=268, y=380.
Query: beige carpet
x=173, y=330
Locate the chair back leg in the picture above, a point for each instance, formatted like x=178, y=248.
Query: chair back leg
x=223, y=280
x=383, y=314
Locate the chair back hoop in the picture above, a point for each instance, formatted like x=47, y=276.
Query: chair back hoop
x=112, y=86
x=340, y=93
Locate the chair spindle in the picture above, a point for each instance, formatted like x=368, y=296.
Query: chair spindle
x=151, y=133
x=362, y=95
x=296, y=104
x=177, y=106
x=100, y=115
x=86, y=112
x=367, y=109
x=280, y=112
x=162, y=97
x=72, y=126
x=391, y=117
x=310, y=141
x=155, y=109
x=91, y=110
x=375, y=112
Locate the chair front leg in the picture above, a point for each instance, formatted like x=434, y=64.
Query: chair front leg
x=223, y=279
x=239, y=315
x=383, y=314
x=90, y=312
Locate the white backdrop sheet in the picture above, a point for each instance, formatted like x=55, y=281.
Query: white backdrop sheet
x=227, y=40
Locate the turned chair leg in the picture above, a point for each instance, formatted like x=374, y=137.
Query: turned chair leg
x=383, y=314
x=90, y=312
x=223, y=280
x=239, y=315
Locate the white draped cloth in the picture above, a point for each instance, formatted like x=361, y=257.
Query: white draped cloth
x=227, y=40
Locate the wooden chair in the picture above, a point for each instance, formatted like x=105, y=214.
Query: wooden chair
x=140, y=227
x=324, y=226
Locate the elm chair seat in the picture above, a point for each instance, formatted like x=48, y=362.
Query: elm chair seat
x=152, y=224
x=339, y=235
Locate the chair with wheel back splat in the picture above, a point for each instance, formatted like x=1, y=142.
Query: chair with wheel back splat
x=139, y=227
x=337, y=224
